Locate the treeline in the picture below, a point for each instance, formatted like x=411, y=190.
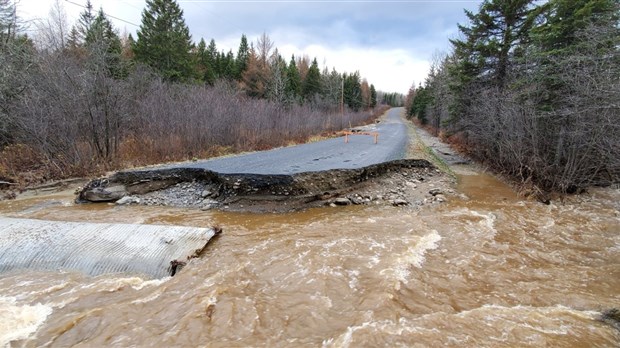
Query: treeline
x=533, y=91
x=81, y=99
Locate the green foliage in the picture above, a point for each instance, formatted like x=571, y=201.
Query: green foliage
x=393, y=99
x=103, y=41
x=164, y=42
x=373, y=96
x=84, y=22
x=353, y=91
x=533, y=91
x=493, y=34
x=293, y=80
x=564, y=18
x=312, y=84
x=422, y=100
x=241, y=61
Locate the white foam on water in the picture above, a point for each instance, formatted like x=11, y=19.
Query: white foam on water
x=18, y=322
x=384, y=326
x=353, y=278
x=414, y=256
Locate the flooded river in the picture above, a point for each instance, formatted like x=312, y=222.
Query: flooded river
x=491, y=270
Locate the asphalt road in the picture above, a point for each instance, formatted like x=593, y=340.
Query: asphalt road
x=334, y=153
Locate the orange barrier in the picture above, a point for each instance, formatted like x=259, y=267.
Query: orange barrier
x=374, y=134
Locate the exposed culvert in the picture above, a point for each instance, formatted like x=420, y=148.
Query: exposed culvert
x=98, y=248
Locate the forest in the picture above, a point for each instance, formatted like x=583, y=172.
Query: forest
x=532, y=89
x=82, y=99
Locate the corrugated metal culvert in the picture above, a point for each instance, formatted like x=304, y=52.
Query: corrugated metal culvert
x=97, y=248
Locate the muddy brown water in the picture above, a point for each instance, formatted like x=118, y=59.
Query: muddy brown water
x=491, y=270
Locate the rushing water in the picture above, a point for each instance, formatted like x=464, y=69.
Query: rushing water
x=490, y=270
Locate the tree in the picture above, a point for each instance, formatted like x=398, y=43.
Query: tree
x=103, y=42
x=276, y=89
x=264, y=45
x=312, y=83
x=16, y=60
x=353, y=91
x=365, y=94
x=53, y=31
x=373, y=96
x=8, y=22
x=255, y=77
x=331, y=88
x=211, y=63
x=84, y=22
x=293, y=80
x=491, y=37
x=164, y=42
x=241, y=62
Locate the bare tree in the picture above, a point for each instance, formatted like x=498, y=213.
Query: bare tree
x=53, y=31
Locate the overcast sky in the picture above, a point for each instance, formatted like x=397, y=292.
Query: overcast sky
x=391, y=43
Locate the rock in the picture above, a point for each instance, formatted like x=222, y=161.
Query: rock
x=332, y=205
x=101, y=194
x=342, y=201
x=205, y=193
x=410, y=184
x=357, y=200
x=440, y=198
x=399, y=202
x=435, y=192
x=128, y=200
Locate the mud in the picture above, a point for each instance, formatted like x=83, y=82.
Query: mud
x=410, y=182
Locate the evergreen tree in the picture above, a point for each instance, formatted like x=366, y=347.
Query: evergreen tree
x=293, y=80
x=353, y=91
x=104, y=46
x=564, y=18
x=164, y=42
x=211, y=63
x=373, y=96
x=87, y=16
x=493, y=34
x=331, y=87
x=241, y=62
x=205, y=63
x=227, y=65
x=312, y=82
x=74, y=40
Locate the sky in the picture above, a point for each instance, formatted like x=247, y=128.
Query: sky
x=391, y=43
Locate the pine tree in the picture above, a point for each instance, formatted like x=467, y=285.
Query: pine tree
x=331, y=88
x=293, y=80
x=241, y=62
x=212, y=72
x=373, y=96
x=353, y=91
x=312, y=82
x=564, y=18
x=493, y=34
x=85, y=21
x=164, y=42
x=102, y=41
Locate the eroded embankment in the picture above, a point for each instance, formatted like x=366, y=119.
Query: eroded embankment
x=206, y=189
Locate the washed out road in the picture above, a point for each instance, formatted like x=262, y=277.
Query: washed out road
x=360, y=151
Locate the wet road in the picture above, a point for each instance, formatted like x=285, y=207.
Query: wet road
x=322, y=155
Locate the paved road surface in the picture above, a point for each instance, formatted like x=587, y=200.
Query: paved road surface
x=323, y=155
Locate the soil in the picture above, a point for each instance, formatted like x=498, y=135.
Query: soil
x=403, y=183
x=423, y=178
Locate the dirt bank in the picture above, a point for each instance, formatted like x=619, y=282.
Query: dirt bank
x=409, y=182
